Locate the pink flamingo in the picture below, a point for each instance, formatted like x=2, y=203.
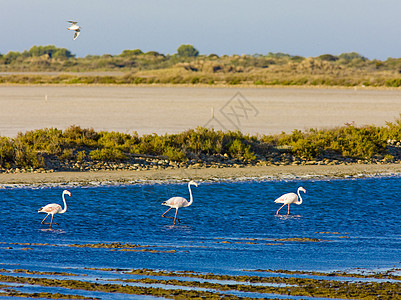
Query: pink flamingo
x=177, y=202
x=52, y=209
x=289, y=198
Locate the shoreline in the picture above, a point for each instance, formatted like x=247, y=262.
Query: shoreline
x=200, y=85
x=286, y=172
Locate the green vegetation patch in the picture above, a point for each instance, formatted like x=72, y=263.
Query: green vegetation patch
x=295, y=287
x=388, y=274
x=303, y=240
x=108, y=245
x=111, y=246
x=25, y=271
x=83, y=149
x=117, y=288
x=10, y=292
x=282, y=285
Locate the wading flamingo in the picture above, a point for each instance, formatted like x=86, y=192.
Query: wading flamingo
x=177, y=202
x=289, y=198
x=75, y=28
x=52, y=209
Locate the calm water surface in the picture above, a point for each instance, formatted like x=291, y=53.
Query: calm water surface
x=231, y=226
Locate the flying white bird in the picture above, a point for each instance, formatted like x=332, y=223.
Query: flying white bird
x=177, y=202
x=75, y=28
x=289, y=198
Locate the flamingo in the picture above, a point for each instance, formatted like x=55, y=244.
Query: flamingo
x=75, y=28
x=289, y=198
x=177, y=202
x=52, y=209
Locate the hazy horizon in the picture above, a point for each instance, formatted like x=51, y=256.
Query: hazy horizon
x=306, y=28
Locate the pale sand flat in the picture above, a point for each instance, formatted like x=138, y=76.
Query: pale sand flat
x=175, y=109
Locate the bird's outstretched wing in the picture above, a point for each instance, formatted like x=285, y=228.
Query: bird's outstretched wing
x=72, y=22
x=77, y=32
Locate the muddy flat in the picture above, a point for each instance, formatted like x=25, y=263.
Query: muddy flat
x=162, y=110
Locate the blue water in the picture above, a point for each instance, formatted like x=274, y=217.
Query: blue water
x=231, y=226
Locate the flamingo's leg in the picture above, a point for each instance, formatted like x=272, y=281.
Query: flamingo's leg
x=175, y=217
x=163, y=215
x=51, y=221
x=288, y=209
x=44, y=219
x=280, y=208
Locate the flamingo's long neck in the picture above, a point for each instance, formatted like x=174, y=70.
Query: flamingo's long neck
x=299, y=196
x=65, y=205
x=191, y=198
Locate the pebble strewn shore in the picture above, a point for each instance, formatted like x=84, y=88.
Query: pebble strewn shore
x=122, y=174
x=147, y=162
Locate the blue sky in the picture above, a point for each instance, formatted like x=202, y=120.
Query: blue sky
x=307, y=28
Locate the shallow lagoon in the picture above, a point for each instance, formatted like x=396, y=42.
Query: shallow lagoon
x=231, y=227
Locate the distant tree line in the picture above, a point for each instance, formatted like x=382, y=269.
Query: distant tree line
x=184, y=52
x=188, y=66
x=52, y=51
x=37, y=51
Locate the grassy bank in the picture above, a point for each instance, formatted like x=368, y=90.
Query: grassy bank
x=77, y=148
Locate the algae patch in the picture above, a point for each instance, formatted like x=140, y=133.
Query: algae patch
x=110, y=246
x=186, y=284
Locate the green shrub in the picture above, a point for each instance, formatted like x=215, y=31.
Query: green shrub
x=394, y=82
x=51, y=51
x=7, y=154
x=348, y=141
x=67, y=154
x=116, y=140
x=392, y=131
x=305, y=148
x=241, y=151
x=174, y=154
x=201, y=140
x=195, y=80
x=107, y=154
x=234, y=81
x=187, y=51
x=81, y=155
x=76, y=136
x=328, y=57
x=258, y=82
x=26, y=157
x=131, y=52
